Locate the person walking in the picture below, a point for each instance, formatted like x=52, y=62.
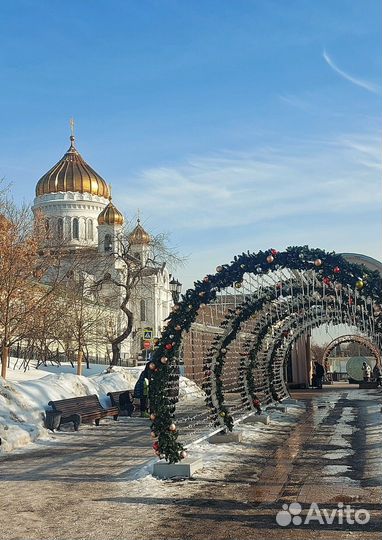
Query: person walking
x=377, y=374
x=320, y=372
x=141, y=390
x=366, y=371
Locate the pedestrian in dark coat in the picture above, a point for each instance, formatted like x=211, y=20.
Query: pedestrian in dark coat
x=141, y=390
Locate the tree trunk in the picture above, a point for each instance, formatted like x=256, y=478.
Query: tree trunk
x=125, y=334
x=79, y=362
x=4, y=360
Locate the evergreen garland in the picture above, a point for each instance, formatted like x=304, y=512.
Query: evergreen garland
x=334, y=270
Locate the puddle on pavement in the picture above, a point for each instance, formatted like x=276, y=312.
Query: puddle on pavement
x=342, y=480
x=338, y=454
x=335, y=469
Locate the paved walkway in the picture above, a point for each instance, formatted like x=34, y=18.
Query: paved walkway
x=83, y=489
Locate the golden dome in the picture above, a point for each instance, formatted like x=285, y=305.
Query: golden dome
x=110, y=215
x=139, y=235
x=72, y=173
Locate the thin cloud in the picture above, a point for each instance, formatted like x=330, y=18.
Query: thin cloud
x=358, y=82
x=260, y=186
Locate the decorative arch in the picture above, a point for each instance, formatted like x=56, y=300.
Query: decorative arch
x=352, y=338
x=322, y=273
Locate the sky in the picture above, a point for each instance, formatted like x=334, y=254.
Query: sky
x=232, y=125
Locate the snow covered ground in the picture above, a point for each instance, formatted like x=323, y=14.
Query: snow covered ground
x=24, y=397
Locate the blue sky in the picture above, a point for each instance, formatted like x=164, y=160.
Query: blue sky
x=232, y=125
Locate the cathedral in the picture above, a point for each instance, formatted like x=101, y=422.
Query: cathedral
x=76, y=205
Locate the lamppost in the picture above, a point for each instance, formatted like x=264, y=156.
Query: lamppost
x=176, y=289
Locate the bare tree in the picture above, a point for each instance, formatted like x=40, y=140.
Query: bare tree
x=132, y=278
x=28, y=274
x=85, y=319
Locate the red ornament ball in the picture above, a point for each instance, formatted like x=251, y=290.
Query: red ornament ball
x=274, y=251
x=337, y=270
x=156, y=445
x=326, y=280
x=168, y=347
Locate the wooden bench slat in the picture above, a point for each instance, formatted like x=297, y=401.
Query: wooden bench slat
x=88, y=407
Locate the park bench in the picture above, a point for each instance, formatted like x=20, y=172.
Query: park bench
x=126, y=405
x=82, y=409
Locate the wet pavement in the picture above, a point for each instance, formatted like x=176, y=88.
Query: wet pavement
x=328, y=455
x=328, y=466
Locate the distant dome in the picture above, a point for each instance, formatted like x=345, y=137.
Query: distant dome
x=110, y=215
x=139, y=235
x=72, y=173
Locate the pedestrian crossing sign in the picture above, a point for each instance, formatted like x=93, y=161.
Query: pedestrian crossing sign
x=147, y=333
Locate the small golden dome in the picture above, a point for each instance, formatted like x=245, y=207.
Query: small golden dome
x=110, y=215
x=72, y=173
x=139, y=235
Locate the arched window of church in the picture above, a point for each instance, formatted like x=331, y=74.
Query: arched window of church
x=108, y=246
x=90, y=229
x=143, y=310
x=76, y=229
x=60, y=228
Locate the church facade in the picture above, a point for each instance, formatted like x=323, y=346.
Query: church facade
x=75, y=204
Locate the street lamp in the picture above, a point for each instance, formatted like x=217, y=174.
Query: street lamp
x=175, y=288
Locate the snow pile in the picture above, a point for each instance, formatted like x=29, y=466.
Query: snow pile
x=189, y=390
x=23, y=402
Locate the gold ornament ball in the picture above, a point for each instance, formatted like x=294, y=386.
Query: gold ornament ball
x=206, y=279
x=175, y=307
x=219, y=268
x=152, y=416
x=153, y=434
x=222, y=414
x=152, y=365
x=172, y=427
x=317, y=262
x=183, y=454
x=164, y=360
x=270, y=259
x=178, y=328
x=359, y=284
x=238, y=285
x=201, y=294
